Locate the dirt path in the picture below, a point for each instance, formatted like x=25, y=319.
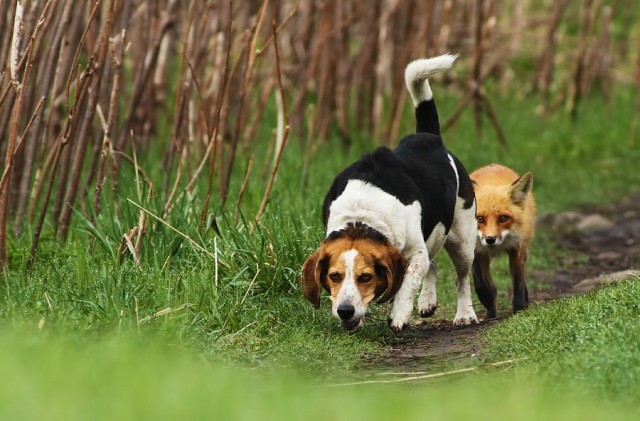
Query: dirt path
x=609, y=237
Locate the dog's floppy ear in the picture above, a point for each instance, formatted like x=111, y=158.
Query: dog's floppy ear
x=311, y=275
x=521, y=187
x=393, y=267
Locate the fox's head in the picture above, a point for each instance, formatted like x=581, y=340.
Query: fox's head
x=500, y=211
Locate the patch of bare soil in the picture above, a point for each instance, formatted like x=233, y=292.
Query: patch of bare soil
x=603, y=245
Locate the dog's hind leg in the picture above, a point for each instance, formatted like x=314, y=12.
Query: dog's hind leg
x=460, y=246
x=428, y=300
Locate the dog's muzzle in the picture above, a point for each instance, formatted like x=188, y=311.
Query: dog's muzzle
x=348, y=322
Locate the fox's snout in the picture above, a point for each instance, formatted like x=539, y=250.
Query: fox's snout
x=492, y=240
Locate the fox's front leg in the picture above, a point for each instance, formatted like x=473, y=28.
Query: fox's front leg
x=417, y=268
x=484, y=285
x=517, y=260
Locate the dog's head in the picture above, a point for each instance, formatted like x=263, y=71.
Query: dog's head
x=355, y=265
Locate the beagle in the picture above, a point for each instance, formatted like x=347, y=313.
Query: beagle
x=387, y=216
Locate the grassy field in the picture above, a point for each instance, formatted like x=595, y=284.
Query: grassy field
x=213, y=323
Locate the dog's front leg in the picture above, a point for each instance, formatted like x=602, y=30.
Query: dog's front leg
x=417, y=268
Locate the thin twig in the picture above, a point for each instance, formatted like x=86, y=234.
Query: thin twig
x=283, y=119
x=174, y=229
x=418, y=377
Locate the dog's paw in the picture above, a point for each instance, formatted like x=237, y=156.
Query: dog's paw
x=428, y=310
x=395, y=326
x=427, y=303
x=400, y=314
x=465, y=320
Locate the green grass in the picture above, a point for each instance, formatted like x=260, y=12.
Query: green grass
x=57, y=377
x=235, y=319
x=591, y=342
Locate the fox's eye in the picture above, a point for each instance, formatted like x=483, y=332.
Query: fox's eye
x=335, y=277
x=480, y=219
x=365, y=277
x=504, y=218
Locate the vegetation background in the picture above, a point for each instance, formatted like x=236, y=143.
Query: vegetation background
x=164, y=165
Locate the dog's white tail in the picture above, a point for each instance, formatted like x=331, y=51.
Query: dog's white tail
x=418, y=72
x=416, y=76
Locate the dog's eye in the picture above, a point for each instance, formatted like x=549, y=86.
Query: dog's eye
x=365, y=277
x=335, y=277
x=480, y=219
x=504, y=218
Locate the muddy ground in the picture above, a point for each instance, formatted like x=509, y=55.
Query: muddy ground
x=602, y=244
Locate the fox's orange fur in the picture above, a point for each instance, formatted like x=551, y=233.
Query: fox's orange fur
x=506, y=216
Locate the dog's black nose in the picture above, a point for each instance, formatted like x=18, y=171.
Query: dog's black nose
x=490, y=240
x=346, y=311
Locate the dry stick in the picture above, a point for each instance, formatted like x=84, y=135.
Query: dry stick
x=139, y=89
x=179, y=113
x=244, y=186
x=382, y=66
x=212, y=145
x=478, y=52
x=309, y=148
x=117, y=57
x=636, y=80
x=284, y=22
x=362, y=77
x=576, y=87
x=13, y=132
x=466, y=99
x=83, y=136
x=399, y=93
x=59, y=208
x=442, y=40
x=602, y=58
x=544, y=76
x=98, y=142
x=418, y=377
x=176, y=146
x=341, y=91
x=309, y=59
x=141, y=218
x=36, y=112
x=43, y=86
x=258, y=110
x=58, y=148
x=76, y=57
x=282, y=114
x=326, y=84
x=174, y=229
x=476, y=95
x=58, y=61
x=246, y=83
x=268, y=154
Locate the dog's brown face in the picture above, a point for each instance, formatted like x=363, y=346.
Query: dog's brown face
x=354, y=271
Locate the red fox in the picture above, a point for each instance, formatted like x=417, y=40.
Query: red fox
x=506, y=212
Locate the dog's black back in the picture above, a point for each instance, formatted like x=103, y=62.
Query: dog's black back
x=418, y=169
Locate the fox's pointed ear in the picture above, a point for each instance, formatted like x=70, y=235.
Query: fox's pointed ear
x=521, y=188
x=312, y=272
x=393, y=268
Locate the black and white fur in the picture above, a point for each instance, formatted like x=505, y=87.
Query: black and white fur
x=420, y=197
